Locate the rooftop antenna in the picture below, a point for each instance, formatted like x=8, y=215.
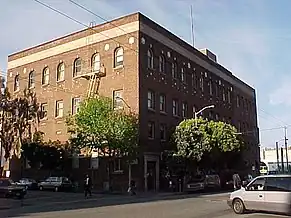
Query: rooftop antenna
x=192, y=26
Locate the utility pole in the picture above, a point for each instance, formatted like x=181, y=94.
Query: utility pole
x=282, y=159
x=278, y=159
x=286, y=147
x=192, y=26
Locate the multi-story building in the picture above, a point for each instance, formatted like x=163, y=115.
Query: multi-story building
x=157, y=74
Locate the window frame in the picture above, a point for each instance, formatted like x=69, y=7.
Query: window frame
x=183, y=76
x=118, y=103
x=162, y=64
x=175, y=108
x=58, y=109
x=77, y=69
x=42, y=116
x=184, y=109
x=151, y=130
x=95, y=62
x=162, y=103
x=16, y=86
x=31, y=79
x=150, y=59
x=45, y=76
x=117, y=56
x=163, y=129
x=61, y=72
x=75, y=105
x=151, y=100
x=174, y=70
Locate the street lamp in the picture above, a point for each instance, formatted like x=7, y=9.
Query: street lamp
x=197, y=113
x=120, y=98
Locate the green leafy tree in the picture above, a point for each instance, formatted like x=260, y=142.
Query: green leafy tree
x=201, y=138
x=98, y=126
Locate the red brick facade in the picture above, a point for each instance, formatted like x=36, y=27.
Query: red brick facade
x=204, y=82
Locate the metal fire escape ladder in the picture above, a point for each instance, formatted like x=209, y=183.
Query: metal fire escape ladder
x=94, y=84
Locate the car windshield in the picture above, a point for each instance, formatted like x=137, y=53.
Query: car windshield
x=197, y=178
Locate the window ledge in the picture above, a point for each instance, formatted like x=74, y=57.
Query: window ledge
x=16, y=91
x=43, y=119
x=119, y=67
x=118, y=172
x=151, y=138
x=59, y=118
x=163, y=140
x=151, y=109
x=44, y=85
x=163, y=112
x=60, y=81
x=176, y=116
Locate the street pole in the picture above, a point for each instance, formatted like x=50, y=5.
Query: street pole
x=196, y=113
x=282, y=159
x=286, y=147
x=278, y=159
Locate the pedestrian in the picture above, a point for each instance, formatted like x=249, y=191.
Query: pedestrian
x=236, y=181
x=87, y=186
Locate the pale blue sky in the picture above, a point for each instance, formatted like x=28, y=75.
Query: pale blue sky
x=251, y=38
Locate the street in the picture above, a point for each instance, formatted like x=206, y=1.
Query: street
x=50, y=204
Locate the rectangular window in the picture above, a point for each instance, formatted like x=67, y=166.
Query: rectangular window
x=223, y=94
x=184, y=109
x=237, y=101
x=175, y=107
x=174, y=70
x=151, y=130
x=75, y=105
x=59, y=108
x=43, y=110
x=193, y=80
x=151, y=100
x=183, y=75
x=210, y=88
x=117, y=99
x=201, y=83
x=229, y=96
x=193, y=111
x=163, y=132
x=162, y=103
x=117, y=165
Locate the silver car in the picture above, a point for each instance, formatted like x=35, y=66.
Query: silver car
x=56, y=184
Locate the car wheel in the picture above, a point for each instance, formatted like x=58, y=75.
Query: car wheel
x=40, y=188
x=238, y=206
x=56, y=189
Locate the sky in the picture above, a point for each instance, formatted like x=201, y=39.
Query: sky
x=251, y=38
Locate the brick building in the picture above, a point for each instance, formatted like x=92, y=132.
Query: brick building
x=158, y=75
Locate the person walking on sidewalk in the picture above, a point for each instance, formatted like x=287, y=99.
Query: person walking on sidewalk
x=87, y=186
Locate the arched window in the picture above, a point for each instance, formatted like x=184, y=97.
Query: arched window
x=31, y=80
x=45, y=76
x=61, y=72
x=162, y=64
x=77, y=67
x=118, y=57
x=95, y=62
x=150, y=59
x=16, y=83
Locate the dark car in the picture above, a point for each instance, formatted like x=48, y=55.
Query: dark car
x=8, y=189
x=27, y=183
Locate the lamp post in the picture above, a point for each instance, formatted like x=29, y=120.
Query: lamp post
x=200, y=111
x=129, y=164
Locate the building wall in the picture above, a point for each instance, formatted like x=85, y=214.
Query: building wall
x=136, y=34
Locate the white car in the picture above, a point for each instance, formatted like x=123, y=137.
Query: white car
x=269, y=193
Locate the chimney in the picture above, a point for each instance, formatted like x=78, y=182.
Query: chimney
x=209, y=54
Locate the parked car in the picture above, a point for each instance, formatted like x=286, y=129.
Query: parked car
x=203, y=182
x=27, y=183
x=8, y=189
x=56, y=184
x=270, y=193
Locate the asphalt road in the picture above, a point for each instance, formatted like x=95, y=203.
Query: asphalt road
x=64, y=205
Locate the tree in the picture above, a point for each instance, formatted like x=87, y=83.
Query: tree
x=191, y=139
x=114, y=133
x=195, y=140
x=17, y=117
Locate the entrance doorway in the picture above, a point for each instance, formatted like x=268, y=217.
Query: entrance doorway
x=151, y=176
